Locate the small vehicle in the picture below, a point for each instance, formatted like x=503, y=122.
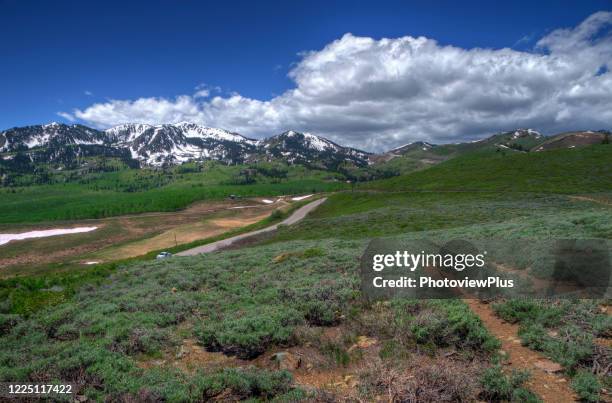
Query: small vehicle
x=163, y=255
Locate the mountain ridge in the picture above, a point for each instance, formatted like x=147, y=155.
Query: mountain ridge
x=173, y=144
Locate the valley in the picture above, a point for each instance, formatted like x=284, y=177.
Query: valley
x=129, y=236
x=281, y=317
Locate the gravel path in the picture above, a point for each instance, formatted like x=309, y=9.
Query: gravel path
x=298, y=215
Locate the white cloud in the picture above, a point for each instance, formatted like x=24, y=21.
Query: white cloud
x=376, y=94
x=66, y=116
x=203, y=93
x=88, y=93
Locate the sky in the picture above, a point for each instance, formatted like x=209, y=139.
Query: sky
x=372, y=75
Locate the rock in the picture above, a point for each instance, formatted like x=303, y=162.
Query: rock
x=181, y=352
x=174, y=289
x=552, y=333
x=282, y=257
x=350, y=381
x=80, y=398
x=286, y=361
x=363, y=342
x=548, y=366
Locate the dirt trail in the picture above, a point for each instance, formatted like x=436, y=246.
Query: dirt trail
x=592, y=199
x=551, y=387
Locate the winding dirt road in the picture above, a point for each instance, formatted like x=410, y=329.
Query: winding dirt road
x=298, y=215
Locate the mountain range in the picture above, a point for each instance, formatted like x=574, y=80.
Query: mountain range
x=172, y=144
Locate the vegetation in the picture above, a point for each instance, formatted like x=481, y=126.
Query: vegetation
x=498, y=386
x=555, y=171
x=105, y=194
x=587, y=386
x=120, y=329
x=449, y=214
x=566, y=332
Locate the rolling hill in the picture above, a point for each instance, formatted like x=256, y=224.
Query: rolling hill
x=586, y=169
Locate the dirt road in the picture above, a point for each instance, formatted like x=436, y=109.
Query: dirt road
x=298, y=215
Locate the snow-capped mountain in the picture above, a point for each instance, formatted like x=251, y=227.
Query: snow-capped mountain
x=169, y=144
x=178, y=143
x=53, y=134
x=308, y=149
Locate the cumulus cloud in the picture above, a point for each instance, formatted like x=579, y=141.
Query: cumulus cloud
x=376, y=94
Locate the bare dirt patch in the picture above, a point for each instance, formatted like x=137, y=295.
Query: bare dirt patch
x=210, y=225
x=190, y=357
x=125, y=236
x=546, y=381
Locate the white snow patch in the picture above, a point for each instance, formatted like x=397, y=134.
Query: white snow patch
x=298, y=198
x=6, y=238
x=92, y=262
x=267, y=201
x=317, y=143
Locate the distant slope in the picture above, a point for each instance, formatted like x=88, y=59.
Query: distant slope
x=420, y=155
x=585, y=169
x=573, y=140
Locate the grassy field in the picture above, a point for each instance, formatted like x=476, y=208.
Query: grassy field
x=210, y=327
x=118, y=193
x=242, y=303
x=462, y=214
x=586, y=170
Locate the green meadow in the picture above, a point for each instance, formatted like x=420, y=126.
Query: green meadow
x=565, y=171
x=131, y=191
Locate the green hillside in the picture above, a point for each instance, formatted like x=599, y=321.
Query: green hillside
x=586, y=169
x=81, y=195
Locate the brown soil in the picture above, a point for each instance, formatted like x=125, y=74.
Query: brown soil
x=190, y=357
x=315, y=371
x=126, y=236
x=186, y=233
x=551, y=387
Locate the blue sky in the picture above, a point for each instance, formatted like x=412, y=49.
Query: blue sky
x=68, y=56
